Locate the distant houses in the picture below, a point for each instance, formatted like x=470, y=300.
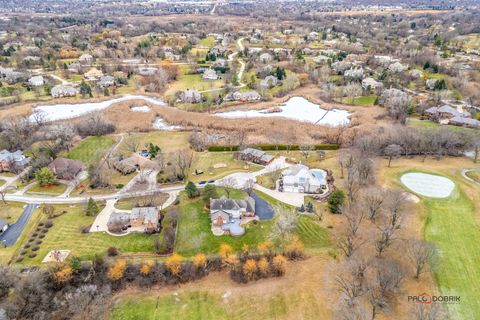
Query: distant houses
x=189, y=96
x=36, y=81
x=228, y=215
x=243, y=96
x=449, y=115
x=86, y=59
x=254, y=155
x=210, y=74
x=13, y=161
x=61, y=91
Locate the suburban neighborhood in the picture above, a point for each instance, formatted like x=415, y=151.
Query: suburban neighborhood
x=239, y=159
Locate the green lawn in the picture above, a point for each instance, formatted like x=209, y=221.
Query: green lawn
x=417, y=123
x=2, y=182
x=66, y=234
x=194, y=233
x=196, y=305
x=451, y=226
x=208, y=42
x=205, y=161
x=167, y=141
x=91, y=149
x=51, y=190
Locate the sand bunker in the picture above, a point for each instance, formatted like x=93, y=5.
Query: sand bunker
x=428, y=185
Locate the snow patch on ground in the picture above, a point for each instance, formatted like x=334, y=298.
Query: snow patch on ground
x=428, y=185
x=67, y=111
x=296, y=108
x=140, y=109
x=161, y=124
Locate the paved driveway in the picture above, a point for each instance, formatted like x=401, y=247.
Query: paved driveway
x=15, y=230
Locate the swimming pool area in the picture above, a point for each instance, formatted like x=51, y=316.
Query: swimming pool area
x=320, y=174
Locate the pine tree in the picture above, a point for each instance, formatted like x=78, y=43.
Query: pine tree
x=92, y=208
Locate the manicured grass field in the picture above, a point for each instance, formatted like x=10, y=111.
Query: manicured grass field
x=199, y=305
x=51, y=190
x=194, y=233
x=451, y=226
x=363, y=101
x=91, y=149
x=167, y=141
x=206, y=162
x=208, y=42
x=417, y=123
x=2, y=182
x=66, y=234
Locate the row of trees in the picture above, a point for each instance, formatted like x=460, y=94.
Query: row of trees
x=372, y=273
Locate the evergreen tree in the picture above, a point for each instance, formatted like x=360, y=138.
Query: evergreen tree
x=44, y=177
x=92, y=208
x=191, y=190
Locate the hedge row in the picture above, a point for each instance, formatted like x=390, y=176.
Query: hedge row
x=270, y=147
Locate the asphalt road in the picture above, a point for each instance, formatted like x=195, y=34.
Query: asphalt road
x=13, y=232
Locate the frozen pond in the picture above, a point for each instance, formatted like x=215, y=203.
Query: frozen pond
x=140, y=109
x=296, y=108
x=428, y=185
x=66, y=111
x=161, y=124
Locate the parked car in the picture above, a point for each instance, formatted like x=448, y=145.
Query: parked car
x=202, y=182
x=211, y=181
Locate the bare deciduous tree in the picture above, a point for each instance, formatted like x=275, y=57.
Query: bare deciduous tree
x=421, y=254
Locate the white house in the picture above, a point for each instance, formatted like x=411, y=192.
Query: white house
x=63, y=91
x=266, y=57
x=36, y=81
x=106, y=81
x=85, y=58
x=210, y=74
x=299, y=178
x=372, y=84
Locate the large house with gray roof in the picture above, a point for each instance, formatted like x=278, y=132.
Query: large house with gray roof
x=228, y=215
x=254, y=155
x=13, y=161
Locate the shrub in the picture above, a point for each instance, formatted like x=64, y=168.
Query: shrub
x=26, y=246
x=38, y=242
x=48, y=224
x=31, y=239
x=35, y=248
x=23, y=252
x=20, y=259
x=117, y=271
x=146, y=268
x=263, y=266
x=335, y=201
x=45, y=230
x=85, y=229
x=279, y=264
x=199, y=261
x=63, y=275
x=250, y=268
x=32, y=255
x=112, y=252
x=92, y=208
x=174, y=263
x=41, y=236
